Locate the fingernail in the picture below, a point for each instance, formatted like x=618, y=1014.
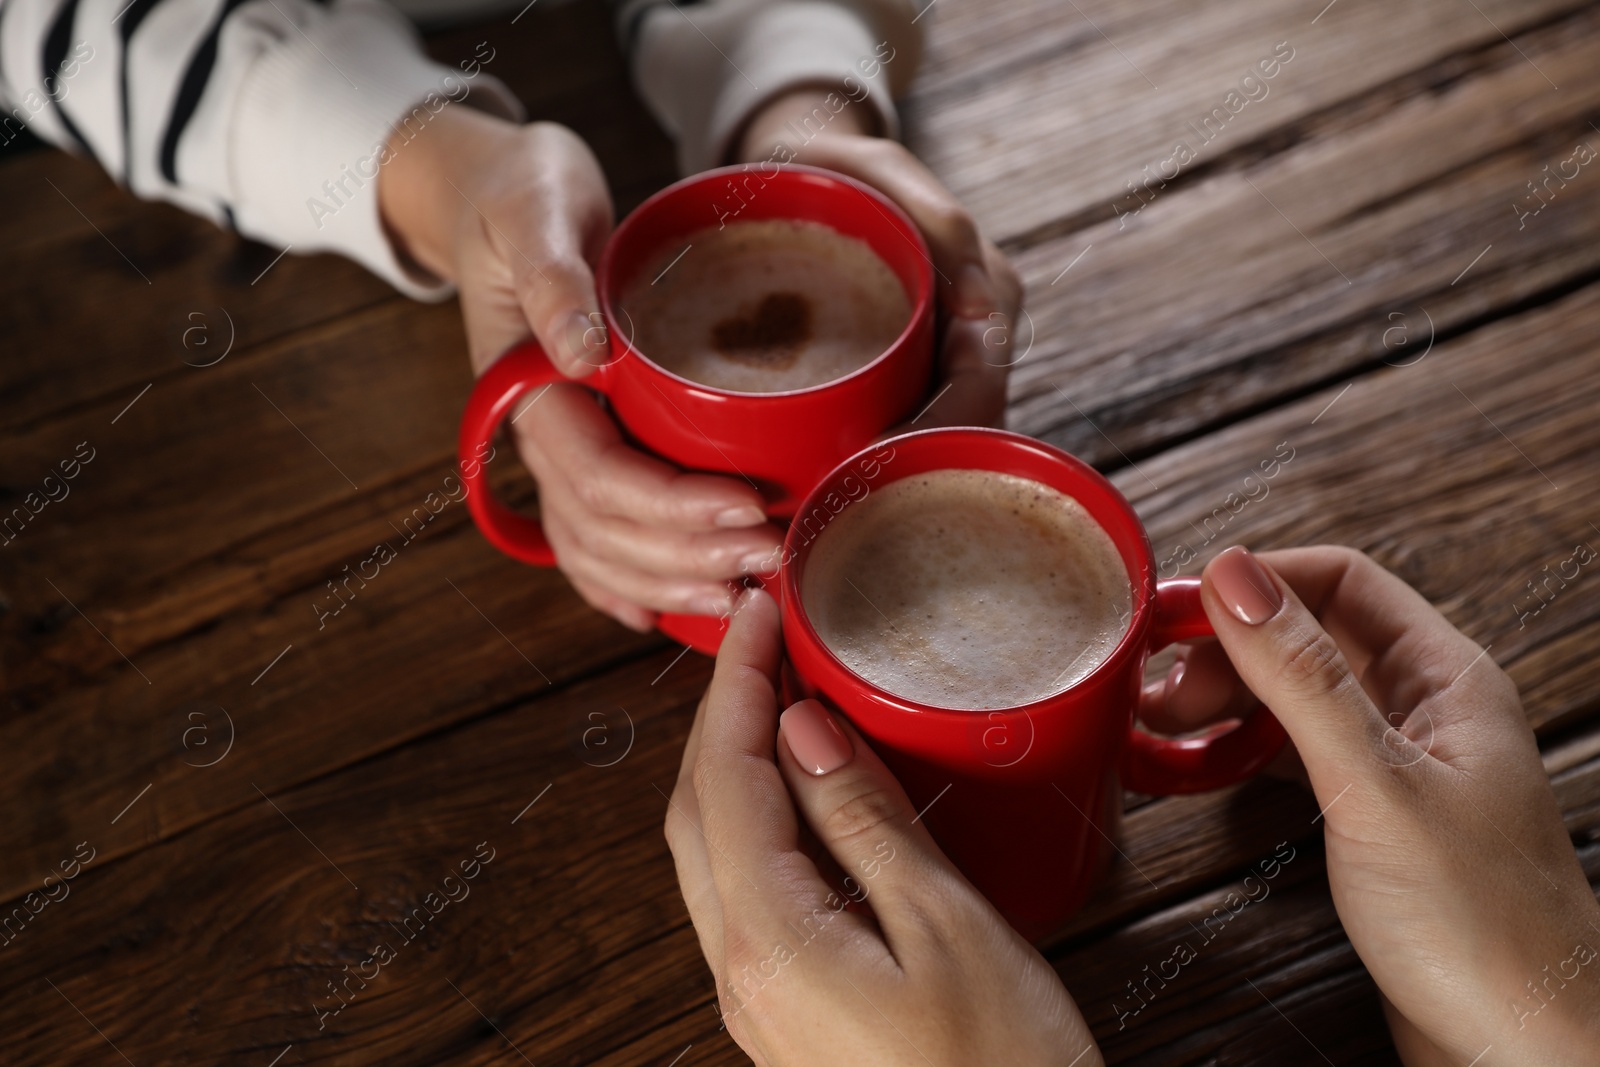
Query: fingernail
x=758, y=562
x=1174, y=676
x=815, y=738
x=745, y=515
x=586, y=339
x=1246, y=590
x=1191, y=703
x=974, y=294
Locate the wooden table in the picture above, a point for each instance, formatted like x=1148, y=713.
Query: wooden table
x=1350, y=268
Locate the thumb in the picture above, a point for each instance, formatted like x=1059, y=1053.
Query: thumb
x=539, y=284
x=862, y=816
x=1296, y=668
x=562, y=222
x=557, y=297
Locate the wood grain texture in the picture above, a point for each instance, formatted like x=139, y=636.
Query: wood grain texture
x=447, y=631
x=575, y=945
x=59, y=358
x=269, y=440
x=1354, y=245
x=371, y=759
x=1036, y=113
x=573, y=942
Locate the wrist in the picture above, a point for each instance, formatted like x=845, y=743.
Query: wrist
x=1532, y=1015
x=796, y=117
x=427, y=179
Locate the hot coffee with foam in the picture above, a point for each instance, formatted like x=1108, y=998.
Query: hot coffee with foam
x=967, y=589
x=765, y=306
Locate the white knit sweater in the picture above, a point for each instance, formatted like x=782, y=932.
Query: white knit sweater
x=267, y=115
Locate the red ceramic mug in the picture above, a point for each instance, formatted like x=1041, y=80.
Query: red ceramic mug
x=1029, y=798
x=780, y=442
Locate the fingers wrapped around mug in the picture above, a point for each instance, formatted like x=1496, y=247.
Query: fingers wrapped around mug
x=925, y=972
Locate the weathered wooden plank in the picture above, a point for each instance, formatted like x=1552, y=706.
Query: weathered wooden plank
x=267, y=440
x=573, y=942
x=1210, y=303
x=1458, y=472
x=1404, y=466
x=1041, y=112
x=1223, y=344
x=249, y=920
x=445, y=631
x=580, y=940
x=82, y=324
x=1403, y=490
x=1288, y=944
x=211, y=942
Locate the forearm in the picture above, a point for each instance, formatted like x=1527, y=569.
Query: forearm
x=1540, y=1016
x=795, y=118
x=707, y=71
x=267, y=119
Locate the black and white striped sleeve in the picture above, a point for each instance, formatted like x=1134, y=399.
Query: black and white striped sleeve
x=705, y=66
x=266, y=115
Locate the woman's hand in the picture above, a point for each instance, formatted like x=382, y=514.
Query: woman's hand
x=515, y=216
x=1447, y=857
x=899, y=962
x=977, y=286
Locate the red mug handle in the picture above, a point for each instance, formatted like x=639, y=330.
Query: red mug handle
x=521, y=369
x=1159, y=765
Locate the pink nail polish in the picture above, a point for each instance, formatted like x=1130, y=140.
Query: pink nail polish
x=1245, y=589
x=814, y=736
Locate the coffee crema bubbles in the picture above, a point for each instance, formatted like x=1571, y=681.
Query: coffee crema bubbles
x=766, y=306
x=968, y=589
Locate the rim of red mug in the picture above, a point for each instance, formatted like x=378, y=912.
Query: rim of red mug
x=1144, y=586
x=922, y=302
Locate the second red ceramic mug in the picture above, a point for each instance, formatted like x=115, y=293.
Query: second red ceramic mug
x=782, y=442
x=1026, y=800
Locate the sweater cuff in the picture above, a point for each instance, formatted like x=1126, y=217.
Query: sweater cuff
x=707, y=77
x=314, y=120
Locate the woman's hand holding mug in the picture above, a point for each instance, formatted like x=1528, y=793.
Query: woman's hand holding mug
x=1447, y=857
x=517, y=217
x=805, y=974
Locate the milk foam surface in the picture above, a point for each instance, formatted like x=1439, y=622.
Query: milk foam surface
x=968, y=589
x=766, y=306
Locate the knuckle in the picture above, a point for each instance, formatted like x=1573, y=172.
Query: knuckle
x=944, y=915
x=674, y=827
x=549, y=271
x=885, y=150
x=952, y=220
x=548, y=144
x=1315, y=663
x=871, y=810
x=594, y=597
x=593, y=493
x=576, y=546
x=743, y=1011
x=704, y=776
x=740, y=948
x=1353, y=558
